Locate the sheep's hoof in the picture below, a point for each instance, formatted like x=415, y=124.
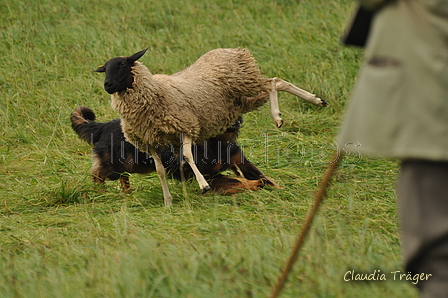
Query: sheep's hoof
x=279, y=123
x=205, y=189
x=323, y=103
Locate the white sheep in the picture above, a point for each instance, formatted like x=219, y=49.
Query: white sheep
x=191, y=105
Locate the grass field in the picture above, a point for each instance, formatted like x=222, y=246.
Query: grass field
x=60, y=236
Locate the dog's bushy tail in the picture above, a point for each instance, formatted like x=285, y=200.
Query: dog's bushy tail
x=83, y=123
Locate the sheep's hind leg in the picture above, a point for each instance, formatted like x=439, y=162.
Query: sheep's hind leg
x=161, y=172
x=282, y=85
x=188, y=155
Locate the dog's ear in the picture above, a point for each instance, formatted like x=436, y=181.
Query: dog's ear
x=100, y=68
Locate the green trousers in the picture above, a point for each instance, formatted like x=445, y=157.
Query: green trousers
x=423, y=202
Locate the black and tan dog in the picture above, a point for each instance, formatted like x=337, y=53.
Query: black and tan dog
x=113, y=157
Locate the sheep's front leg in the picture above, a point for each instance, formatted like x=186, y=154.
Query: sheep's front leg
x=182, y=171
x=188, y=155
x=271, y=88
x=161, y=172
x=282, y=85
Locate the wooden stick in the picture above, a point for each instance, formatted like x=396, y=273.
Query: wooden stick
x=317, y=200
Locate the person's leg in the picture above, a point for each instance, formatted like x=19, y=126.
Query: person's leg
x=423, y=200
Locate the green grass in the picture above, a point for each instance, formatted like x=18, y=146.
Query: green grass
x=61, y=236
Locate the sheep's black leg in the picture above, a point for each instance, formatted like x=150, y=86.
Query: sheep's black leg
x=188, y=155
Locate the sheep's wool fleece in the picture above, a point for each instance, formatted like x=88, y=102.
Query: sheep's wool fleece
x=200, y=101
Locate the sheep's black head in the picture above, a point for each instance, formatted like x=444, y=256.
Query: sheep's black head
x=118, y=72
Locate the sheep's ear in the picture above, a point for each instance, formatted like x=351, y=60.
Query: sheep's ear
x=100, y=68
x=136, y=56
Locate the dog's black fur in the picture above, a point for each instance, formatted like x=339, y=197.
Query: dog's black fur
x=113, y=156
